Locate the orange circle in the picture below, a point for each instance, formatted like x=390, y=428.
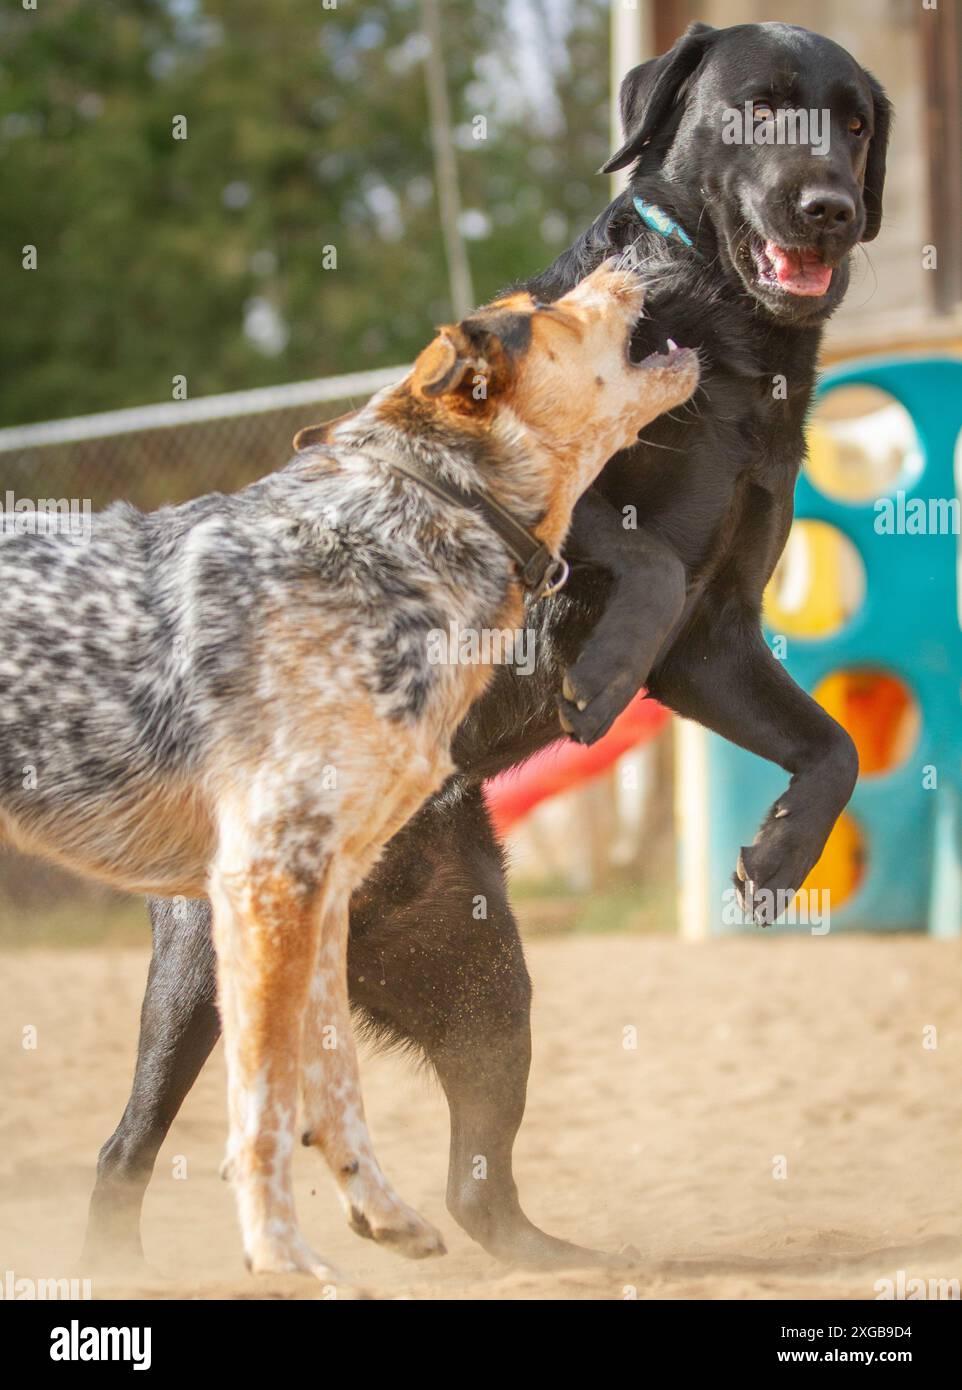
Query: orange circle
x=879, y=711
x=841, y=868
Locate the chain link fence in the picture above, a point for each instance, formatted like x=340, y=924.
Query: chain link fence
x=158, y=454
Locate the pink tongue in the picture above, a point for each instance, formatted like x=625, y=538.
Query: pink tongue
x=799, y=272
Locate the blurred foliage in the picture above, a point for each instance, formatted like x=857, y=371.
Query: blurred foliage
x=306, y=128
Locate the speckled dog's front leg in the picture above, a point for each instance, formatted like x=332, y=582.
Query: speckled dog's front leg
x=266, y=930
x=333, y=1107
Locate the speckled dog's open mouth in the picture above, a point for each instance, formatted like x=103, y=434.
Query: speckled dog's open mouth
x=673, y=358
x=800, y=271
x=649, y=346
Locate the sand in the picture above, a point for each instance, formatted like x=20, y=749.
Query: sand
x=753, y=1056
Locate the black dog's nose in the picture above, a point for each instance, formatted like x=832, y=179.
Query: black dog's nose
x=826, y=209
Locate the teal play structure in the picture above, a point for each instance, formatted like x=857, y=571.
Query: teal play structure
x=908, y=626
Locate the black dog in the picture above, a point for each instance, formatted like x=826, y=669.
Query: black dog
x=674, y=603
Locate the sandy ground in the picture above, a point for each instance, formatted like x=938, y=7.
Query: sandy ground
x=806, y=1048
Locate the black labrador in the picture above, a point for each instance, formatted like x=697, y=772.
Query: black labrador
x=754, y=260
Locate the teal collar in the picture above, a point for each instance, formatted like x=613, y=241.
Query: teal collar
x=659, y=221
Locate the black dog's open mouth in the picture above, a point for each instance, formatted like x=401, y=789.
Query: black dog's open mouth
x=800, y=271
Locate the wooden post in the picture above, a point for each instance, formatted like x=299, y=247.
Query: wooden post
x=445, y=164
x=941, y=39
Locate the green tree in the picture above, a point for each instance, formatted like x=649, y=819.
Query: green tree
x=210, y=256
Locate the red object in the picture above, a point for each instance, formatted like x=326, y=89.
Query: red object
x=512, y=795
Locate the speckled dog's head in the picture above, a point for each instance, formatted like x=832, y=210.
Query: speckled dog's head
x=538, y=395
x=558, y=374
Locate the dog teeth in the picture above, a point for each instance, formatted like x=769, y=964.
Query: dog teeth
x=672, y=345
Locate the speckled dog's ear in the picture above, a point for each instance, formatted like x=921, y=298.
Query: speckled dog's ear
x=310, y=437
x=465, y=360
x=444, y=363
x=313, y=435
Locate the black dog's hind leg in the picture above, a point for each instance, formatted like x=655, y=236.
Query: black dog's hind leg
x=644, y=603
x=445, y=971
x=179, y=1025
x=724, y=676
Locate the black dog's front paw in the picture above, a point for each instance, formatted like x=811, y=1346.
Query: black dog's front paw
x=771, y=871
x=588, y=706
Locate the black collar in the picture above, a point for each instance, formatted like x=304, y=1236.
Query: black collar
x=539, y=571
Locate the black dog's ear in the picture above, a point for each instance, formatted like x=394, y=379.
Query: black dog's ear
x=875, y=164
x=650, y=90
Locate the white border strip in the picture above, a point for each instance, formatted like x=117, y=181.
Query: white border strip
x=222, y=407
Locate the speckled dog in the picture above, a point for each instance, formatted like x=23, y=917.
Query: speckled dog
x=233, y=697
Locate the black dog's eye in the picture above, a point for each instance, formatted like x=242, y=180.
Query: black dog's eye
x=856, y=125
x=763, y=111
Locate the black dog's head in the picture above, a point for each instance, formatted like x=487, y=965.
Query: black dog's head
x=777, y=137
